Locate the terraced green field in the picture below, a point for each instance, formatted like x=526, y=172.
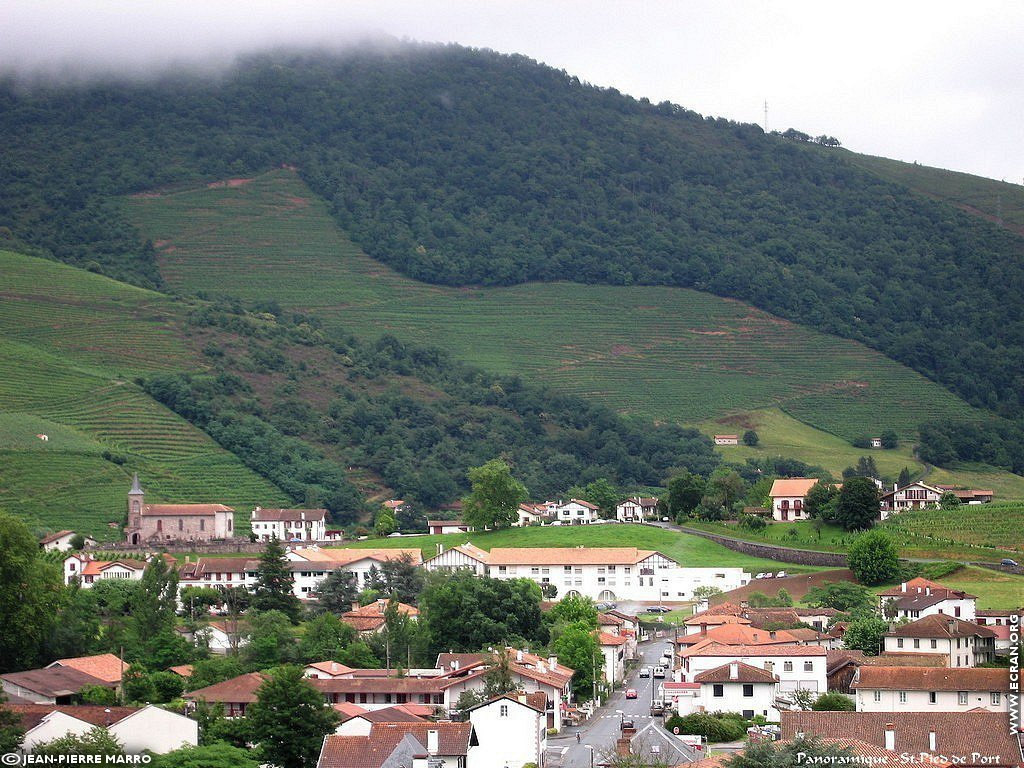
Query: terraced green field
x=70, y=343
x=655, y=352
x=994, y=525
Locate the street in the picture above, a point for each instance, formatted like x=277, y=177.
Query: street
x=601, y=731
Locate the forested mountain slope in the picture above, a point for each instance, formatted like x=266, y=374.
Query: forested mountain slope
x=458, y=167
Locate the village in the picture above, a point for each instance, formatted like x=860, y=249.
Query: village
x=630, y=651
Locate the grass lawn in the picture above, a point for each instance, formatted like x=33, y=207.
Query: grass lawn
x=911, y=542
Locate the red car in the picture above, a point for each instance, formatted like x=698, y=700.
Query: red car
x=631, y=693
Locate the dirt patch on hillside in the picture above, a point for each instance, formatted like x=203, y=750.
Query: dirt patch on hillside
x=229, y=183
x=797, y=586
x=622, y=349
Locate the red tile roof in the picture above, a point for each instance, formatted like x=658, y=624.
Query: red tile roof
x=454, y=739
x=330, y=667
x=346, y=556
x=738, y=651
x=933, y=679
x=791, y=487
x=53, y=682
x=567, y=556
x=287, y=515
x=159, y=510
x=54, y=536
x=745, y=672
x=604, y=638
x=32, y=714
x=237, y=690
x=105, y=666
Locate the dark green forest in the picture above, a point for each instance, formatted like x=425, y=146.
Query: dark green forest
x=415, y=417
x=460, y=166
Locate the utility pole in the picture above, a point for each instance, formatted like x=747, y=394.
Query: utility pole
x=766, y=116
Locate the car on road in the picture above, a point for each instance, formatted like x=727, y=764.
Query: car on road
x=645, y=671
x=605, y=606
x=1009, y=562
x=658, y=609
x=659, y=672
x=631, y=693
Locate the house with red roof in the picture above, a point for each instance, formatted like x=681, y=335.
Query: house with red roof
x=964, y=643
x=788, y=495
x=931, y=689
x=637, y=509
x=738, y=687
x=796, y=666
x=576, y=512
x=288, y=524
x=88, y=570
x=437, y=745
x=369, y=619
x=512, y=730
x=922, y=597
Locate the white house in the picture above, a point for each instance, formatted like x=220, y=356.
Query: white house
x=931, y=689
x=613, y=653
x=532, y=514
x=920, y=597
x=289, y=524
x=637, y=509
x=727, y=439
x=435, y=527
x=150, y=727
x=739, y=687
x=912, y=496
x=963, y=643
x=796, y=666
x=61, y=541
x=310, y=565
x=88, y=571
x=788, y=495
x=463, y=556
x=511, y=730
x=576, y=512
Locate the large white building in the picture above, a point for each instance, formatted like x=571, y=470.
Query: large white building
x=964, y=644
x=576, y=512
x=920, y=597
x=601, y=573
x=289, y=524
x=931, y=689
x=796, y=666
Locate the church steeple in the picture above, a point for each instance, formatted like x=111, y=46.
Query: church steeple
x=135, y=501
x=135, y=485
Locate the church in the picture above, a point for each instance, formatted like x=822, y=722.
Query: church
x=152, y=523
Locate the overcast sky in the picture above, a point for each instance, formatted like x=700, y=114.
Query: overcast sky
x=935, y=82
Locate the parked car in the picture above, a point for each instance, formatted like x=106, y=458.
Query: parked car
x=657, y=708
x=645, y=671
x=658, y=609
x=631, y=693
x=780, y=575
x=659, y=672
x=1009, y=562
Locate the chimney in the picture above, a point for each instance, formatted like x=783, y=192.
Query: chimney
x=890, y=737
x=903, y=587
x=754, y=635
x=628, y=732
x=771, y=634
x=931, y=741
x=928, y=590
x=356, y=606
x=703, y=627
x=622, y=746
x=519, y=656
x=734, y=670
x=553, y=663
x=952, y=626
x=432, y=742
x=440, y=548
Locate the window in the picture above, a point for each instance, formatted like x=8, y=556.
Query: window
x=748, y=714
x=567, y=568
x=787, y=666
x=502, y=569
x=932, y=697
x=899, y=642
x=748, y=690
x=503, y=711
x=935, y=643
x=878, y=696
x=903, y=697
x=996, y=698
x=535, y=571
x=718, y=690
x=956, y=611
x=917, y=643
x=181, y=524
x=202, y=524
x=961, y=698
x=808, y=666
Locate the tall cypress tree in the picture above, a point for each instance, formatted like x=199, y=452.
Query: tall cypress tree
x=274, y=583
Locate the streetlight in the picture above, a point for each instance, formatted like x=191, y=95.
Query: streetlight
x=620, y=714
x=591, y=748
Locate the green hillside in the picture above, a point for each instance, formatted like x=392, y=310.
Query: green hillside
x=463, y=167
x=71, y=344
x=654, y=352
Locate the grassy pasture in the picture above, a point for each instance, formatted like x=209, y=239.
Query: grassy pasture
x=655, y=352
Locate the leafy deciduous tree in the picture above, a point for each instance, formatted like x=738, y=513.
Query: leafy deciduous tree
x=494, y=497
x=289, y=720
